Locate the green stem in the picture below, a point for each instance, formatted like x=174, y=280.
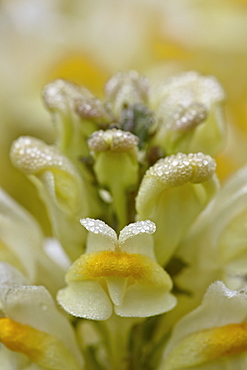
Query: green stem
x=118, y=335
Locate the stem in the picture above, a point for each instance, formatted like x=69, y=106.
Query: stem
x=118, y=334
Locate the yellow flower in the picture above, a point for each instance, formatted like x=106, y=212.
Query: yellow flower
x=33, y=333
x=117, y=272
x=172, y=194
x=189, y=112
x=40, y=347
x=213, y=336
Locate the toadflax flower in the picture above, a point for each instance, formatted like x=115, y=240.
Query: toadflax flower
x=33, y=333
x=117, y=273
x=114, y=149
x=213, y=336
x=189, y=111
x=25, y=247
x=172, y=193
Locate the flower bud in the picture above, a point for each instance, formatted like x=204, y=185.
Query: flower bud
x=215, y=245
x=124, y=89
x=172, y=193
x=189, y=112
x=76, y=113
x=116, y=166
x=59, y=185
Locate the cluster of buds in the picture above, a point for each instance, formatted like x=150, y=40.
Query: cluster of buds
x=137, y=169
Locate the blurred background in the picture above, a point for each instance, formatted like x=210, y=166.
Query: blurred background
x=87, y=41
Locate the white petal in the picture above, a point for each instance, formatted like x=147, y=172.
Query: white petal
x=85, y=299
x=220, y=306
x=11, y=276
x=136, y=238
x=56, y=252
x=140, y=244
x=143, y=301
x=20, y=233
x=11, y=360
x=136, y=228
x=34, y=306
x=101, y=236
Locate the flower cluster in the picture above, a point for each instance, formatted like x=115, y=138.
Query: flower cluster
x=146, y=267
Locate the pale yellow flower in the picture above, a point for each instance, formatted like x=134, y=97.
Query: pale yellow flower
x=33, y=333
x=117, y=274
x=213, y=336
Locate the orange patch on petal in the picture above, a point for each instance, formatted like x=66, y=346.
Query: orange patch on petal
x=40, y=347
x=22, y=338
x=209, y=345
x=118, y=264
x=226, y=340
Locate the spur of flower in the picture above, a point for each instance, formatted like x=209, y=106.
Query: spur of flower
x=119, y=274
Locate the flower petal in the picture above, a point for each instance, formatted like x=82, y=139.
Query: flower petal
x=136, y=238
x=59, y=185
x=172, y=194
x=33, y=306
x=209, y=345
x=145, y=301
x=136, y=228
x=11, y=276
x=125, y=88
x=85, y=299
x=113, y=150
x=189, y=109
x=101, y=236
x=215, y=247
x=106, y=264
x=116, y=287
x=40, y=347
x=33, y=156
x=214, y=330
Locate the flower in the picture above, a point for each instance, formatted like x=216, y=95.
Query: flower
x=212, y=336
x=189, y=110
x=215, y=246
x=120, y=273
x=25, y=248
x=59, y=185
x=32, y=331
x=112, y=149
x=172, y=193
